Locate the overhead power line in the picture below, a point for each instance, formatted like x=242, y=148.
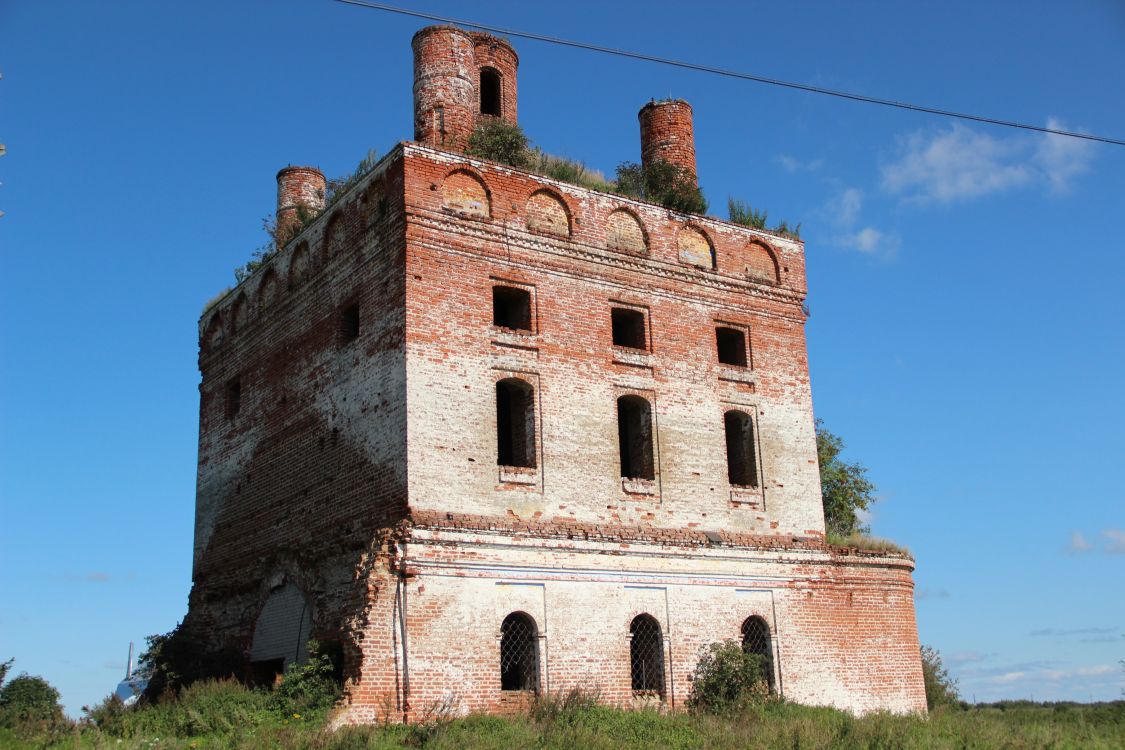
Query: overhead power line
x=733, y=73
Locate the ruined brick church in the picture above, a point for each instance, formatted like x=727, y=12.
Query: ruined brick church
x=490, y=434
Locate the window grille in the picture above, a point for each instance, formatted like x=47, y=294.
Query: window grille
x=519, y=653
x=756, y=640
x=646, y=655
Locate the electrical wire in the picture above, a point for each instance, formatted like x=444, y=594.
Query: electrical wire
x=732, y=73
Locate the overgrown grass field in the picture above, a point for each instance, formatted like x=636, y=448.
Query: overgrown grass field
x=227, y=715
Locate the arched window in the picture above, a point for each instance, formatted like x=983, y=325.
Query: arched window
x=742, y=466
x=489, y=92
x=646, y=654
x=519, y=653
x=756, y=640
x=634, y=437
x=515, y=423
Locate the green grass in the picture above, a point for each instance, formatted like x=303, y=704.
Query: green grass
x=225, y=715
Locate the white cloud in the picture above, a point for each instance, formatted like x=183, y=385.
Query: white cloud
x=843, y=210
x=1062, y=158
x=1116, y=543
x=792, y=164
x=961, y=163
x=871, y=241
x=1078, y=543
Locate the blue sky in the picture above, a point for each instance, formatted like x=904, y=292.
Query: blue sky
x=965, y=281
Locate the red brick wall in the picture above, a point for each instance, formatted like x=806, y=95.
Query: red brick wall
x=298, y=484
x=667, y=134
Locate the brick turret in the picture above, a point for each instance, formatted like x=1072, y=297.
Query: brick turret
x=460, y=78
x=297, y=186
x=667, y=134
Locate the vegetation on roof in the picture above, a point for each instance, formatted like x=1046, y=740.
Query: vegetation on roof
x=279, y=235
x=659, y=182
x=743, y=213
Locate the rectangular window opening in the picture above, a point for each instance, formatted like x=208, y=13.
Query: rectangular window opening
x=511, y=308
x=629, y=328
x=349, y=324
x=732, y=346
x=233, y=399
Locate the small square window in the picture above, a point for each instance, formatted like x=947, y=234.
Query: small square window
x=511, y=308
x=629, y=328
x=233, y=398
x=732, y=346
x=349, y=324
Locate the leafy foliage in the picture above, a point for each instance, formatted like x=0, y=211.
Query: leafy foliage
x=501, y=141
x=312, y=686
x=280, y=234
x=661, y=182
x=941, y=688
x=5, y=667
x=728, y=677
x=845, y=488
x=29, y=704
x=176, y=659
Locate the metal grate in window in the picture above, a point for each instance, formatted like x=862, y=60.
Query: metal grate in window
x=646, y=654
x=519, y=653
x=756, y=640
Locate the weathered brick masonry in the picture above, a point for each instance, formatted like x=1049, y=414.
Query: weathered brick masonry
x=496, y=434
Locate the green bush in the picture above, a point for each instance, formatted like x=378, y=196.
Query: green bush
x=661, y=182
x=941, y=688
x=500, y=141
x=30, y=705
x=728, y=677
x=310, y=687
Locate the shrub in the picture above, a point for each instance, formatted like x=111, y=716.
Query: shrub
x=500, y=141
x=941, y=688
x=563, y=707
x=309, y=687
x=661, y=182
x=176, y=659
x=728, y=677
x=30, y=705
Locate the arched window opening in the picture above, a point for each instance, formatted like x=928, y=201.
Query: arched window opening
x=489, y=92
x=634, y=437
x=519, y=653
x=742, y=468
x=646, y=655
x=515, y=423
x=756, y=640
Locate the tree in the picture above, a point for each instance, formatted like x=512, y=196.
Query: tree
x=661, y=182
x=844, y=488
x=941, y=688
x=29, y=703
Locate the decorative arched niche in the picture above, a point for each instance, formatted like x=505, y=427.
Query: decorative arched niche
x=238, y=314
x=761, y=263
x=464, y=192
x=625, y=234
x=213, y=333
x=299, y=265
x=547, y=213
x=695, y=247
x=267, y=291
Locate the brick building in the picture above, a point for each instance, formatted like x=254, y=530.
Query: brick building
x=491, y=434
